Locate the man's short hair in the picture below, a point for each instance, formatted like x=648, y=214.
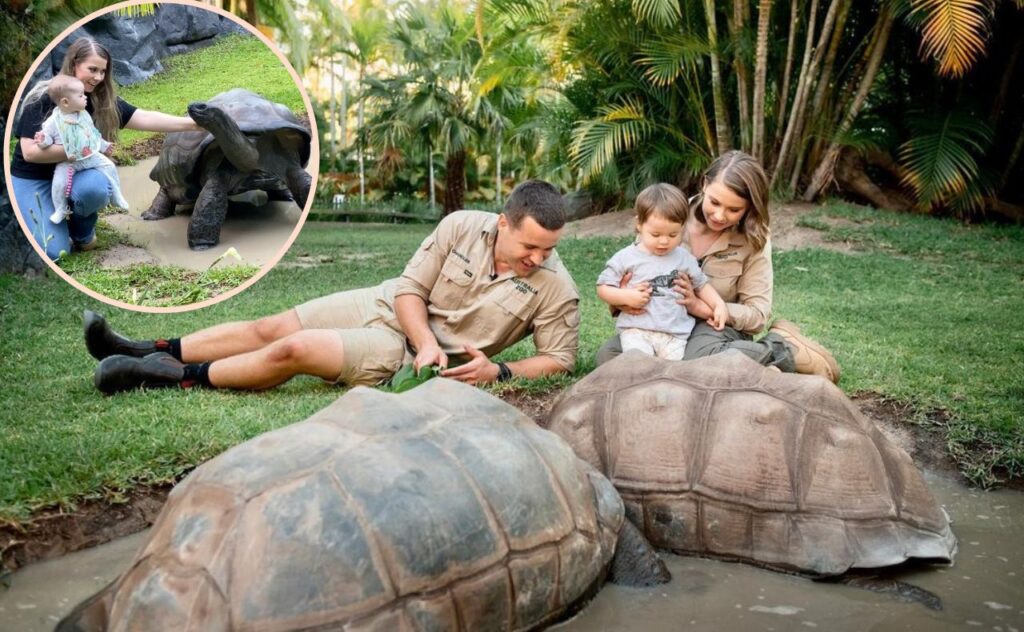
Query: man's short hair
x=61, y=86
x=539, y=200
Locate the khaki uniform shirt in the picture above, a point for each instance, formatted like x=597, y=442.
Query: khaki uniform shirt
x=742, y=276
x=452, y=272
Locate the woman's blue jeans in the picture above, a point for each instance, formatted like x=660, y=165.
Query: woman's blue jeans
x=90, y=191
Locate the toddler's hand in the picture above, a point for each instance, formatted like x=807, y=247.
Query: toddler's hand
x=639, y=296
x=719, y=317
x=39, y=137
x=109, y=151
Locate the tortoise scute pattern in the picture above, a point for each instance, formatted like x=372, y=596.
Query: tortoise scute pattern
x=441, y=508
x=724, y=457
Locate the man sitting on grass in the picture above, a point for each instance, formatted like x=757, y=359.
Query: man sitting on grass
x=477, y=285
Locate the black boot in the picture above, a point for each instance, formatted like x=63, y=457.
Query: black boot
x=124, y=373
x=102, y=341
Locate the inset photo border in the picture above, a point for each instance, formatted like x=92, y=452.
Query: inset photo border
x=195, y=156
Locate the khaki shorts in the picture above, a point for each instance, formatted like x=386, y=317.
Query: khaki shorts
x=374, y=351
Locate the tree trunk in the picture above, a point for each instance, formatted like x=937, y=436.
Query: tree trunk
x=722, y=127
x=742, y=80
x=800, y=135
x=430, y=162
x=250, y=12
x=794, y=24
x=332, y=120
x=801, y=87
x=824, y=91
x=497, y=178
x=1012, y=162
x=1004, y=85
x=343, y=115
x=824, y=169
x=359, y=126
x=454, y=182
x=761, y=70
x=851, y=175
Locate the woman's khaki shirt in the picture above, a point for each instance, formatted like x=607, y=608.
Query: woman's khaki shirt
x=742, y=276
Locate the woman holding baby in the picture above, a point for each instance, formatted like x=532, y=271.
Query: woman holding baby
x=726, y=231
x=34, y=163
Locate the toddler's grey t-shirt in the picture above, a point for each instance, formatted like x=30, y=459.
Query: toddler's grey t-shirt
x=663, y=313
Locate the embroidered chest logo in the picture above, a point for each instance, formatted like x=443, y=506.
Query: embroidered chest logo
x=726, y=255
x=458, y=254
x=522, y=286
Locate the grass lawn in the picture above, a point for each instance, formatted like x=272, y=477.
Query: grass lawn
x=235, y=61
x=929, y=312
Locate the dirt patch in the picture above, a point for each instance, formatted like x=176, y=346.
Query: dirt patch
x=786, y=235
x=122, y=256
x=52, y=533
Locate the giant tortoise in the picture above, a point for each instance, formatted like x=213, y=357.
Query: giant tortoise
x=725, y=458
x=440, y=508
x=249, y=143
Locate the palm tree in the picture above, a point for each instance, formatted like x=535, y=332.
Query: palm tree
x=367, y=34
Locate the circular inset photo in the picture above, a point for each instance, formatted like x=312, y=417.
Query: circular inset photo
x=161, y=157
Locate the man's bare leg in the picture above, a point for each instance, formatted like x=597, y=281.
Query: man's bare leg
x=212, y=343
x=317, y=352
x=232, y=339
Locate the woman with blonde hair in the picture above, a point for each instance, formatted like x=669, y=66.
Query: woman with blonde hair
x=32, y=167
x=727, y=231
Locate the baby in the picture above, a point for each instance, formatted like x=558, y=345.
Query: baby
x=655, y=259
x=71, y=126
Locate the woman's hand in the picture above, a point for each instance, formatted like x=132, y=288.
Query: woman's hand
x=632, y=311
x=689, y=299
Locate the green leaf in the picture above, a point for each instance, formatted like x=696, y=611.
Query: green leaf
x=407, y=379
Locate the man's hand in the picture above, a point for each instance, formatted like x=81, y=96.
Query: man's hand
x=479, y=370
x=428, y=355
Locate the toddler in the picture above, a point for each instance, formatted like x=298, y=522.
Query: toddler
x=655, y=260
x=71, y=126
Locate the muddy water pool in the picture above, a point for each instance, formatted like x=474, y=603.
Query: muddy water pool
x=258, y=234
x=983, y=590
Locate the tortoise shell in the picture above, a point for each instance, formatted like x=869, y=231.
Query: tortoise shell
x=177, y=169
x=440, y=508
x=723, y=457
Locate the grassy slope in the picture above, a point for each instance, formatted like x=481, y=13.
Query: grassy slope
x=930, y=315
x=236, y=61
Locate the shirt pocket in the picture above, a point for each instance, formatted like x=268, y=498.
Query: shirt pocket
x=724, y=276
x=452, y=283
x=516, y=304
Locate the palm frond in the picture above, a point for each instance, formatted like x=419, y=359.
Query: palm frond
x=664, y=59
x=658, y=12
x=953, y=32
x=940, y=160
x=596, y=142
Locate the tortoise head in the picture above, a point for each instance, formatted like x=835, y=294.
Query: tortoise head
x=236, y=146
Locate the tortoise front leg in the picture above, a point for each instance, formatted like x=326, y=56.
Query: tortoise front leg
x=298, y=183
x=209, y=212
x=162, y=206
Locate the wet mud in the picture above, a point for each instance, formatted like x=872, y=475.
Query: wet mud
x=258, y=234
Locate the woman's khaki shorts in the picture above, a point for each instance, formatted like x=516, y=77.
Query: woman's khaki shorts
x=373, y=350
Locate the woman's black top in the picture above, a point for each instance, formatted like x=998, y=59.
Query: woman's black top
x=32, y=118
